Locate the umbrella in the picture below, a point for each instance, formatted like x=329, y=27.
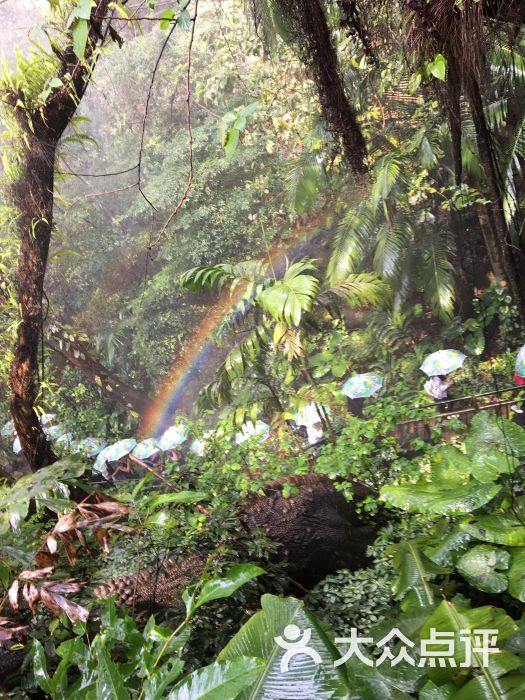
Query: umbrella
x=47, y=418
x=54, y=432
x=8, y=429
x=308, y=415
x=65, y=440
x=146, y=449
x=362, y=385
x=173, y=437
x=90, y=446
x=443, y=362
x=198, y=446
x=17, y=446
x=258, y=429
x=114, y=452
x=520, y=363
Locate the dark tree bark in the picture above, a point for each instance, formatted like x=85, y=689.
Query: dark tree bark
x=310, y=35
x=32, y=197
x=505, y=256
x=78, y=355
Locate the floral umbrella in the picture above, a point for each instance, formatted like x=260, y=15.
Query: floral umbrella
x=362, y=385
x=520, y=362
x=146, y=449
x=172, y=437
x=113, y=452
x=443, y=362
x=249, y=430
x=90, y=446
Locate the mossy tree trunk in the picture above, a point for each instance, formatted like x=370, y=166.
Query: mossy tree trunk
x=39, y=132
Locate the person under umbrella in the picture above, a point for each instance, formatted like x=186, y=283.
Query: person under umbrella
x=358, y=388
x=113, y=453
x=437, y=366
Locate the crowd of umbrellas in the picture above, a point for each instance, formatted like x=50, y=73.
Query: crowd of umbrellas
x=358, y=387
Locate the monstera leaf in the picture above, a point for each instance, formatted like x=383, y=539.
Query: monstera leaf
x=287, y=618
x=479, y=567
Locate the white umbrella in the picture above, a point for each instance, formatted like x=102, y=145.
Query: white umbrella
x=90, y=446
x=173, y=437
x=8, y=429
x=258, y=429
x=17, y=446
x=146, y=449
x=113, y=452
x=308, y=415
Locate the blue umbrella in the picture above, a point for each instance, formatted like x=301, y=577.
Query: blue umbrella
x=362, y=385
x=173, y=437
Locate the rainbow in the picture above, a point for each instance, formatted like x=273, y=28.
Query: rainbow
x=193, y=356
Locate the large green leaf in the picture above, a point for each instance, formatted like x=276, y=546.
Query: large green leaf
x=450, y=465
x=304, y=678
x=489, y=464
x=221, y=680
x=226, y=585
x=414, y=570
x=517, y=575
x=438, y=498
x=110, y=682
x=454, y=617
x=501, y=529
x=15, y=499
x=489, y=431
x=479, y=567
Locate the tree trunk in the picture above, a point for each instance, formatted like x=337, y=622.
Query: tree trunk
x=40, y=129
x=504, y=255
x=309, y=32
x=33, y=197
x=117, y=390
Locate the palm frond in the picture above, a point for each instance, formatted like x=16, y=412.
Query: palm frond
x=363, y=289
x=353, y=241
x=286, y=299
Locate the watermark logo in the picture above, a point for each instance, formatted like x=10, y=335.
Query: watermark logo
x=438, y=649
x=296, y=642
